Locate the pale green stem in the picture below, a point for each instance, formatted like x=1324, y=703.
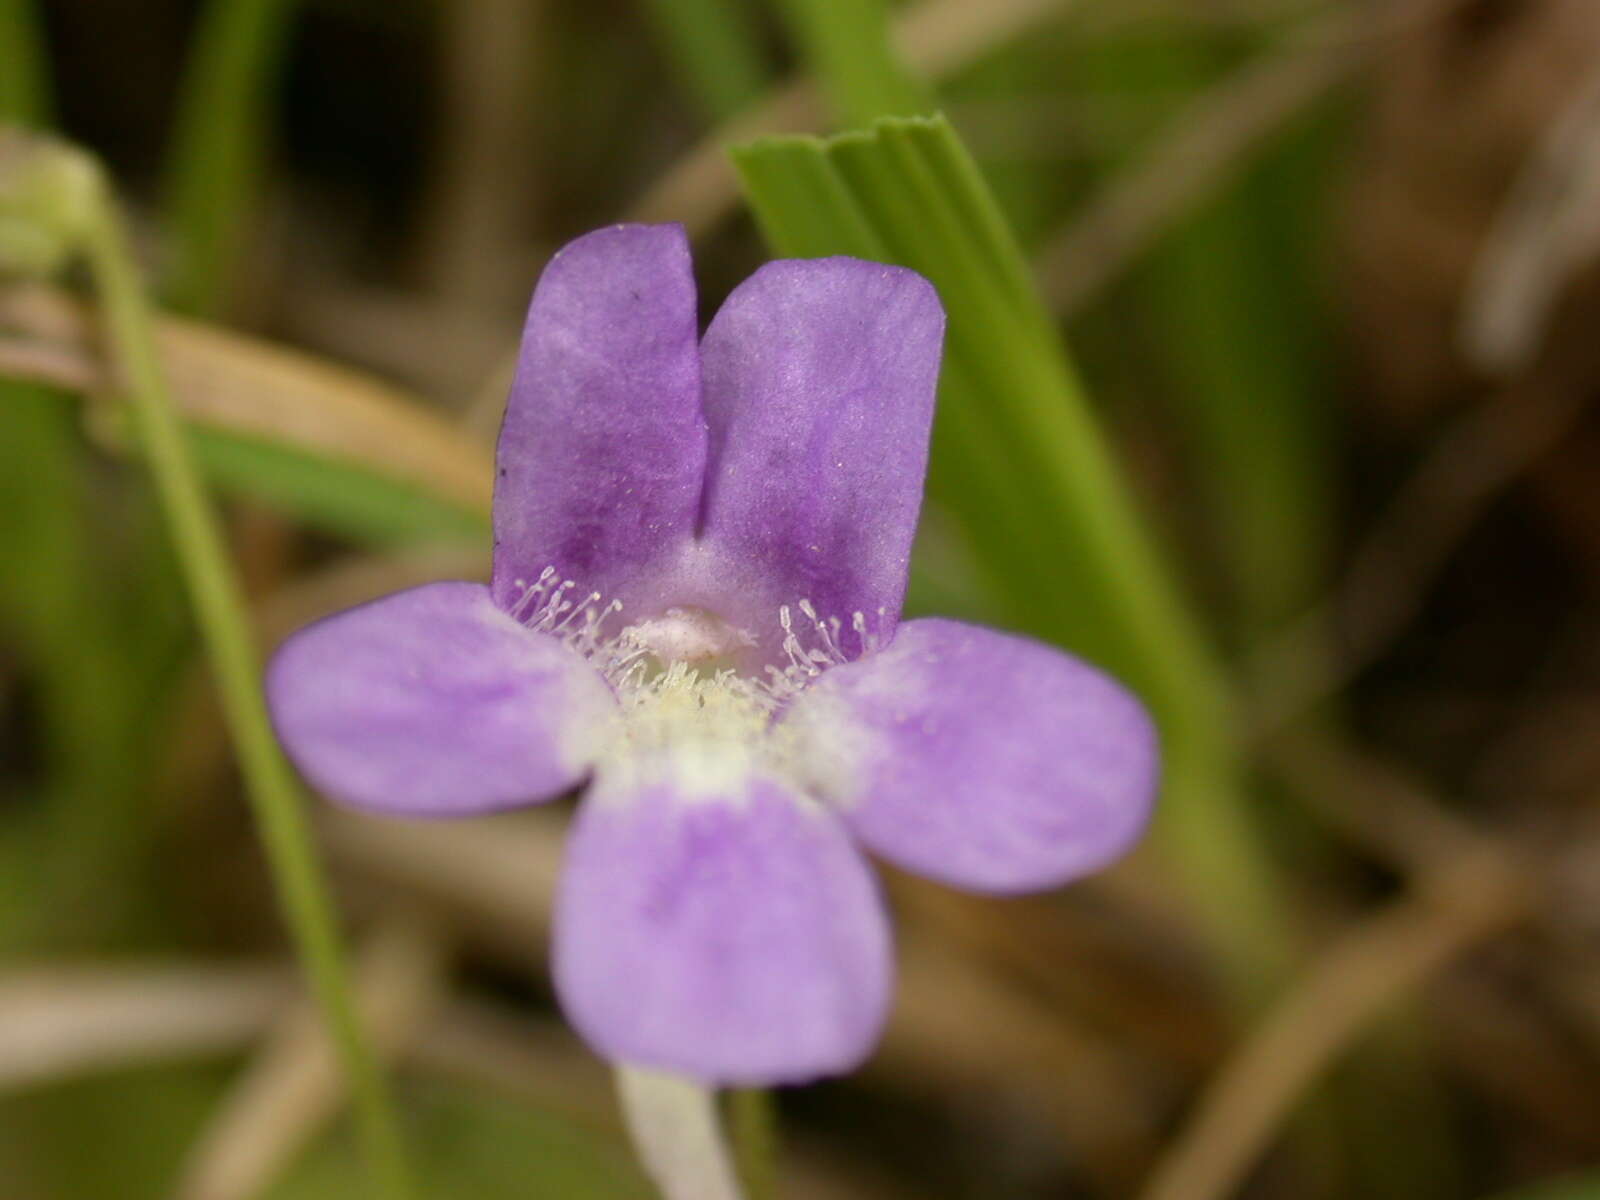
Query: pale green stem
x=220, y=613
x=674, y=1127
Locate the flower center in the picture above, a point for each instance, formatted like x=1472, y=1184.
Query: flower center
x=688, y=635
x=687, y=712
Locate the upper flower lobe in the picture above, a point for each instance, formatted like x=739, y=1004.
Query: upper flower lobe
x=700, y=556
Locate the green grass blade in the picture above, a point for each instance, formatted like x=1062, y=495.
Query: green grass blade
x=219, y=145
x=338, y=498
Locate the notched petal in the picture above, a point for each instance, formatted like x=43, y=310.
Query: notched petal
x=602, y=452
x=433, y=702
x=819, y=387
x=980, y=759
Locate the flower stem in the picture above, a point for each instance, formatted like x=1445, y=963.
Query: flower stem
x=219, y=611
x=673, y=1123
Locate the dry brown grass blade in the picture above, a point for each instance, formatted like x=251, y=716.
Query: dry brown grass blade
x=933, y=39
x=61, y=1021
x=294, y=1085
x=1209, y=143
x=1547, y=229
x=253, y=388
x=1354, y=982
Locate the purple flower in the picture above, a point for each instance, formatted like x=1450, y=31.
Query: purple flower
x=700, y=555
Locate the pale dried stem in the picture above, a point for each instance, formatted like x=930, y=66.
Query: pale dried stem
x=293, y=1087
x=61, y=1021
x=1547, y=229
x=675, y=1127
x=40, y=362
x=67, y=1020
x=1364, y=973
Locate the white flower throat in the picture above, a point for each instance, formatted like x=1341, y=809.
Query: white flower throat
x=686, y=715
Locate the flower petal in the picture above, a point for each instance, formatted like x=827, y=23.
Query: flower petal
x=987, y=761
x=738, y=939
x=433, y=702
x=602, y=453
x=819, y=385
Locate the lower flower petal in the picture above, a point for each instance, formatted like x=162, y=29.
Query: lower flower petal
x=433, y=702
x=983, y=760
x=738, y=939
